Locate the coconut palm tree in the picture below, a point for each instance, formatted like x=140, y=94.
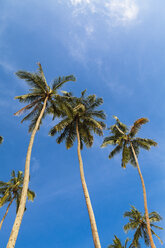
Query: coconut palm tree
x=80, y=122
x=117, y=243
x=40, y=98
x=124, y=140
x=137, y=222
x=11, y=191
x=1, y=139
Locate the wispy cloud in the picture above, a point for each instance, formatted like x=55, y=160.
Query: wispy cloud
x=122, y=11
x=7, y=66
x=91, y=17
x=35, y=164
x=118, y=11
x=76, y=2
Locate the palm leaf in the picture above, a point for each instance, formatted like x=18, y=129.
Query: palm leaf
x=31, y=97
x=33, y=79
x=1, y=139
x=58, y=82
x=157, y=236
x=27, y=107
x=137, y=125
x=60, y=126
x=31, y=195
x=111, y=140
x=43, y=77
x=115, y=151
x=125, y=155
x=121, y=126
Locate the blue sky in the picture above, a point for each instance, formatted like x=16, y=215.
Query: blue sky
x=116, y=50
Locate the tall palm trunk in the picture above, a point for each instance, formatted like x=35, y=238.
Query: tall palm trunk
x=86, y=194
x=19, y=216
x=7, y=210
x=145, y=199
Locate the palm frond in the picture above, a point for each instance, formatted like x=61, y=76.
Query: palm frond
x=58, y=82
x=136, y=149
x=115, y=151
x=137, y=125
x=121, y=125
x=29, y=98
x=1, y=139
x=98, y=114
x=31, y=195
x=110, y=140
x=33, y=79
x=125, y=155
x=41, y=73
x=83, y=93
x=60, y=126
x=63, y=135
x=157, y=236
x=145, y=143
x=27, y=107
x=35, y=117
x=71, y=135
x=31, y=115
x=85, y=134
x=93, y=102
x=94, y=124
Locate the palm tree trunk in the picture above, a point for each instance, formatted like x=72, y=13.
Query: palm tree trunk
x=87, y=197
x=7, y=210
x=145, y=199
x=19, y=216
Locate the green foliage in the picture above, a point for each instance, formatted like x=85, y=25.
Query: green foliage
x=13, y=189
x=81, y=111
x=38, y=92
x=1, y=139
x=122, y=138
x=117, y=243
x=137, y=222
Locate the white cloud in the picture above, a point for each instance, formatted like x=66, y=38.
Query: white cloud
x=118, y=11
x=122, y=10
x=76, y=2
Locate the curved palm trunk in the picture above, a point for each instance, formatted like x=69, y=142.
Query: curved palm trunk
x=145, y=200
x=7, y=210
x=87, y=197
x=19, y=216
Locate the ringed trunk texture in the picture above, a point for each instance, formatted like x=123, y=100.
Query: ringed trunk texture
x=87, y=197
x=7, y=210
x=19, y=216
x=145, y=200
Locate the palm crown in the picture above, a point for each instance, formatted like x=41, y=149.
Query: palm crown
x=38, y=92
x=137, y=222
x=117, y=243
x=122, y=138
x=83, y=112
x=12, y=189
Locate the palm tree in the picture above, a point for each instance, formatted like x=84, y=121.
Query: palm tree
x=39, y=100
x=117, y=243
x=124, y=140
x=11, y=191
x=80, y=121
x=1, y=139
x=137, y=222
